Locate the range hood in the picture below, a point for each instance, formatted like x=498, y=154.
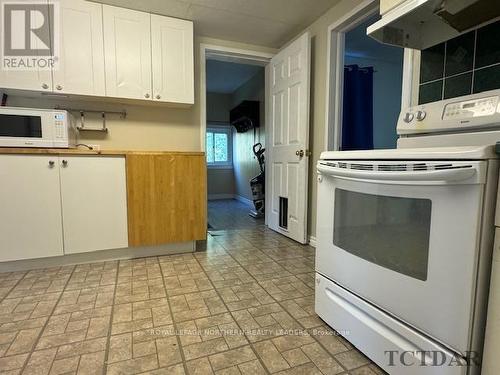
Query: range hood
x=421, y=24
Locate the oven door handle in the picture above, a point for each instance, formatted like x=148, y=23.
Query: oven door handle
x=442, y=175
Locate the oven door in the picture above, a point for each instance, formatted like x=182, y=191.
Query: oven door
x=26, y=128
x=405, y=241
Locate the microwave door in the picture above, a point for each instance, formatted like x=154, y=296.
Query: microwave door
x=23, y=131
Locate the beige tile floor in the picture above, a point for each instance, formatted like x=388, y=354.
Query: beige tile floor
x=243, y=306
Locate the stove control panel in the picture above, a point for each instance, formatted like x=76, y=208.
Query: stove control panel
x=452, y=115
x=471, y=108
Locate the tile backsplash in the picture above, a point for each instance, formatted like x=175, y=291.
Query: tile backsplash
x=467, y=64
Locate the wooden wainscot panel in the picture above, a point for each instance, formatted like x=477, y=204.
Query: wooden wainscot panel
x=166, y=196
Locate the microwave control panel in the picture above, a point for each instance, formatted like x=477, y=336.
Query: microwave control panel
x=60, y=124
x=477, y=111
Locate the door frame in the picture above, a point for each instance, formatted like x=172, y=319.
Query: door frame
x=236, y=55
x=335, y=70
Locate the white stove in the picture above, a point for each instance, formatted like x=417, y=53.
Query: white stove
x=405, y=237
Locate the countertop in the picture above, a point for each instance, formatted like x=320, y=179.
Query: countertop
x=83, y=151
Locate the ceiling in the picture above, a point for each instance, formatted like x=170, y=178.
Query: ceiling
x=358, y=44
x=268, y=23
x=225, y=77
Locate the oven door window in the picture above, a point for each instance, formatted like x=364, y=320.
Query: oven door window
x=20, y=126
x=392, y=232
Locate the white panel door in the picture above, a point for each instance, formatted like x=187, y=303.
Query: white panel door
x=31, y=79
x=81, y=63
x=94, y=203
x=173, y=59
x=30, y=207
x=127, y=53
x=289, y=133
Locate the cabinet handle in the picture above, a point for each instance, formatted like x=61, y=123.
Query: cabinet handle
x=146, y=96
x=51, y=164
x=59, y=87
x=158, y=96
x=64, y=163
x=45, y=86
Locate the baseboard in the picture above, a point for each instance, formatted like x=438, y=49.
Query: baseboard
x=243, y=199
x=312, y=241
x=99, y=256
x=214, y=197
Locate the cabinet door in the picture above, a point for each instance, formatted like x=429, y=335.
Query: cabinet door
x=173, y=65
x=81, y=64
x=30, y=207
x=94, y=203
x=34, y=78
x=127, y=53
x=167, y=198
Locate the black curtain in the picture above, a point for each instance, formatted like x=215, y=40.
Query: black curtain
x=357, y=122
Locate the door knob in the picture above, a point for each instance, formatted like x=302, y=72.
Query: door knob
x=146, y=96
x=51, y=164
x=64, y=163
x=59, y=87
x=158, y=97
x=299, y=153
x=45, y=86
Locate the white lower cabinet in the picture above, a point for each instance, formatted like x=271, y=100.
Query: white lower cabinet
x=30, y=207
x=94, y=203
x=56, y=205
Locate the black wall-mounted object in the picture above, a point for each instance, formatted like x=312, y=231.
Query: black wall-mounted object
x=245, y=116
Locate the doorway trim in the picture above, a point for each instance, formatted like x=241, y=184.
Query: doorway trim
x=235, y=55
x=335, y=70
x=228, y=54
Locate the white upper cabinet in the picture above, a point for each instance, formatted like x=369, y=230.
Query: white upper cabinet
x=81, y=63
x=127, y=53
x=108, y=51
x=32, y=79
x=94, y=203
x=173, y=60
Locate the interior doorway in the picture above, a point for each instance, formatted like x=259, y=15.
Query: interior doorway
x=234, y=96
x=368, y=83
x=373, y=76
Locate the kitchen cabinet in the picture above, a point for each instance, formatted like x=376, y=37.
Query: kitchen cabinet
x=30, y=207
x=81, y=55
x=32, y=80
x=94, y=203
x=108, y=51
x=127, y=53
x=35, y=79
x=491, y=365
x=53, y=205
x=173, y=59
x=167, y=200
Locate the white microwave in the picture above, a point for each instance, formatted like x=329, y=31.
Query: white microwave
x=33, y=127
